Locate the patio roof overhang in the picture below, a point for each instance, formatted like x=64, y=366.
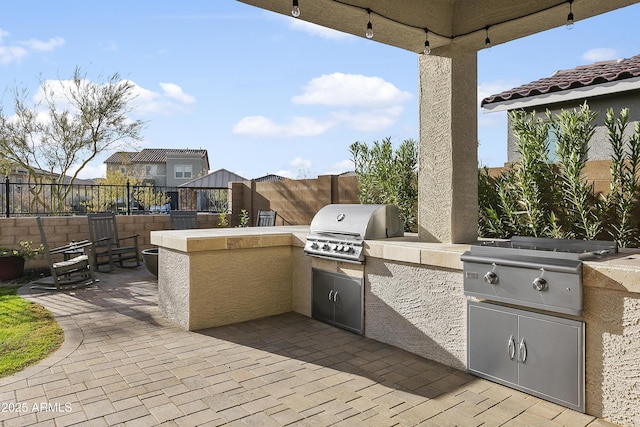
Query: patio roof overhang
x=402, y=23
x=448, y=171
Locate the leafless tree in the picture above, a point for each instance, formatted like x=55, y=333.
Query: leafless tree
x=68, y=124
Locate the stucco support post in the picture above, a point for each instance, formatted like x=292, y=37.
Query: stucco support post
x=448, y=172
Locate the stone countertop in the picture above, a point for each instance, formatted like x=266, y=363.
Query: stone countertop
x=214, y=239
x=617, y=272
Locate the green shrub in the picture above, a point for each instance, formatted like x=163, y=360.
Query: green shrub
x=386, y=176
x=535, y=197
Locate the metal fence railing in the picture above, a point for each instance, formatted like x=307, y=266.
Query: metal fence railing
x=27, y=199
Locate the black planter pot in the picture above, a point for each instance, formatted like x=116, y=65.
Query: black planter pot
x=11, y=267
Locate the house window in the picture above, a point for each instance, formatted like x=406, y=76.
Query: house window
x=183, y=171
x=151, y=170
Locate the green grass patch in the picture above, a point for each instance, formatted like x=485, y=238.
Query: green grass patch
x=28, y=332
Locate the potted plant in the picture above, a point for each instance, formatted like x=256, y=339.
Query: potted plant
x=12, y=259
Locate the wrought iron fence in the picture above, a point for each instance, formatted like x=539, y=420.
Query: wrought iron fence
x=26, y=199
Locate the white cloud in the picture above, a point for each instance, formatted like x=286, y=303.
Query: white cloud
x=369, y=104
x=44, y=46
x=340, y=167
x=261, y=126
x=286, y=173
x=318, y=30
x=9, y=54
x=300, y=163
x=172, y=90
x=339, y=89
x=600, y=54
x=145, y=101
x=90, y=171
x=297, y=168
x=171, y=100
x=371, y=120
x=486, y=89
x=15, y=52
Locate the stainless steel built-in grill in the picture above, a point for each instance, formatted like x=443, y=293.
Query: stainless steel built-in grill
x=338, y=231
x=541, y=354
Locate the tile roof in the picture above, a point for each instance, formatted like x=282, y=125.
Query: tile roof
x=270, y=177
x=582, y=76
x=151, y=155
x=121, y=157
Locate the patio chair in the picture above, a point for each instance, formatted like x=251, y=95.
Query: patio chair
x=183, y=220
x=266, y=218
x=109, y=248
x=74, y=271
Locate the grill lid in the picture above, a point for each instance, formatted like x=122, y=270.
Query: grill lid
x=358, y=222
x=338, y=231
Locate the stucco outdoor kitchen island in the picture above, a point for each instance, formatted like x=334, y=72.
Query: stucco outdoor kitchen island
x=413, y=298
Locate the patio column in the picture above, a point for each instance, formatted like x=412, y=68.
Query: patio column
x=448, y=173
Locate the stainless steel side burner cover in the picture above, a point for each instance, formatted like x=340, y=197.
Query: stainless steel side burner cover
x=338, y=231
x=531, y=272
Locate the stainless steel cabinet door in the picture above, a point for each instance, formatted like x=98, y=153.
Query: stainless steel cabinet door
x=492, y=343
x=550, y=351
x=322, y=296
x=348, y=303
x=539, y=354
x=337, y=299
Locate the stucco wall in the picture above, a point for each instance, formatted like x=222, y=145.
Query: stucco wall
x=211, y=288
x=173, y=289
x=301, y=282
x=613, y=355
x=417, y=308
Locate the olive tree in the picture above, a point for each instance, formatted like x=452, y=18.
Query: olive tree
x=64, y=127
x=389, y=176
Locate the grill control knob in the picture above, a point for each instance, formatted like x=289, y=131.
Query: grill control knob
x=491, y=278
x=314, y=245
x=539, y=284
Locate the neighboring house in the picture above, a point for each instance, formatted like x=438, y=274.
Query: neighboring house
x=603, y=85
x=161, y=166
x=211, y=191
x=19, y=175
x=269, y=177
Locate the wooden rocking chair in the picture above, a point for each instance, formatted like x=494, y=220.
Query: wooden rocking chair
x=74, y=271
x=266, y=218
x=109, y=248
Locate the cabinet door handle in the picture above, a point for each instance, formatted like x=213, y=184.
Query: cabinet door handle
x=511, y=347
x=331, y=295
x=523, y=351
x=335, y=296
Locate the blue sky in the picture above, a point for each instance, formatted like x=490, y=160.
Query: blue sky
x=264, y=93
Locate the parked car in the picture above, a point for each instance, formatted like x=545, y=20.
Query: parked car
x=160, y=208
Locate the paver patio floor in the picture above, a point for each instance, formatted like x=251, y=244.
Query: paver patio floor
x=122, y=363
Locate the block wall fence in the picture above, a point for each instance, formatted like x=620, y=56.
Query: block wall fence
x=296, y=202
